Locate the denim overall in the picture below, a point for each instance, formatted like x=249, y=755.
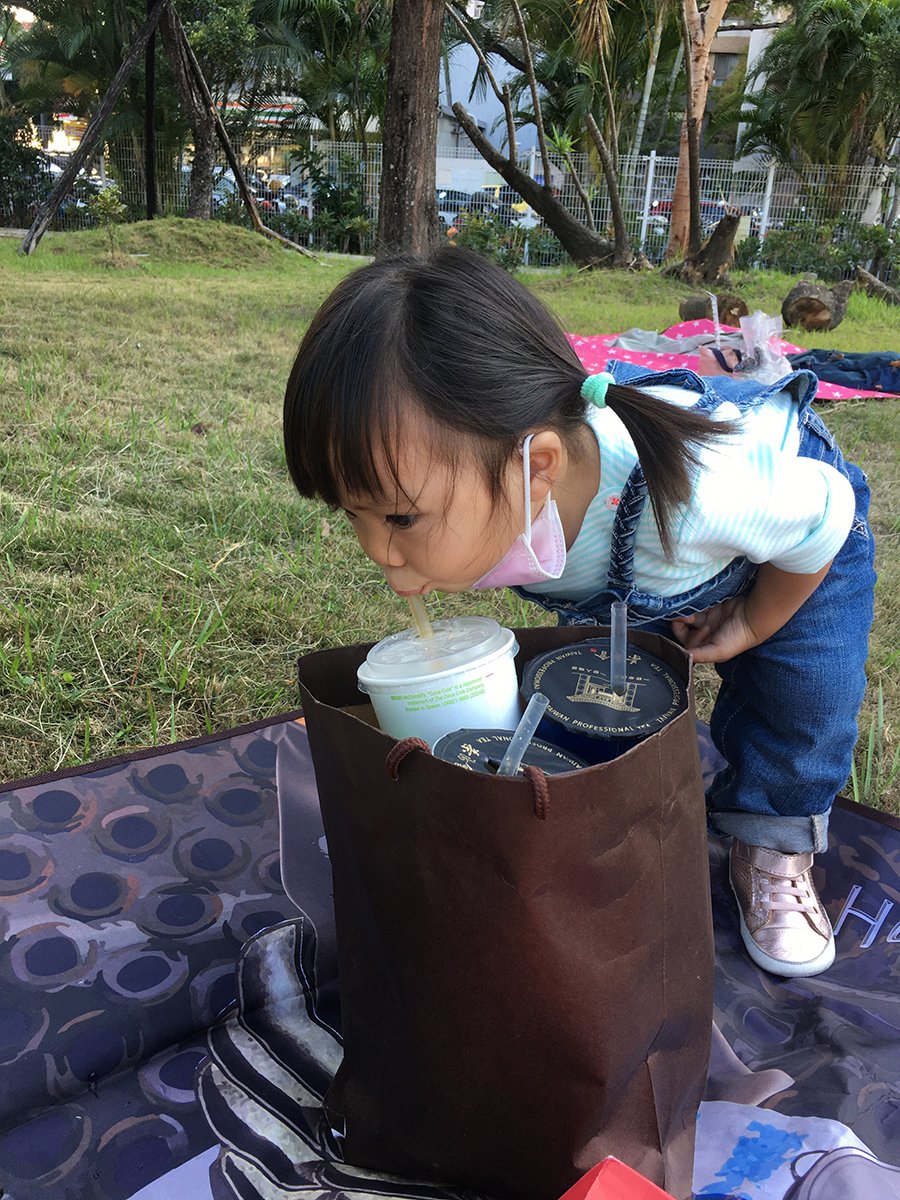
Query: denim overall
x=785, y=716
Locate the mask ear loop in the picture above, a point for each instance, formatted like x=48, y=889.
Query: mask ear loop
x=526, y=467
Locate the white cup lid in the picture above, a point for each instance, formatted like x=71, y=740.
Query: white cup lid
x=457, y=642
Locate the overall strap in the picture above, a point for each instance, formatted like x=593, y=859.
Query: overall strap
x=628, y=513
x=634, y=496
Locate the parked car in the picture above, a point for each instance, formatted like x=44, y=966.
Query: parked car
x=711, y=212
x=487, y=202
x=449, y=203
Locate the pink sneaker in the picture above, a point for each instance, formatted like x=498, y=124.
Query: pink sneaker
x=784, y=926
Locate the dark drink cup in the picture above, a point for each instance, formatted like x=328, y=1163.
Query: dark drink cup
x=483, y=749
x=586, y=717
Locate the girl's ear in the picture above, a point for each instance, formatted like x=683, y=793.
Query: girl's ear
x=547, y=457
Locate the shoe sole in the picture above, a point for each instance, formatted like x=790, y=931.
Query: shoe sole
x=788, y=970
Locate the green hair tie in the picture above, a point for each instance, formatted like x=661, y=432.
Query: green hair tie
x=594, y=388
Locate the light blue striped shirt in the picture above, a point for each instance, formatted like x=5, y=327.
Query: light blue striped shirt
x=752, y=496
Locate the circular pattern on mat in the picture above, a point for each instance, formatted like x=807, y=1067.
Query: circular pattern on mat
x=46, y=1148
x=175, y=912
x=94, y=895
x=213, y=991
x=54, y=810
x=208, y=855
x=169, y=1077
x=167, y=782
x=51, y=955
x=248, y=917
x=135, y=833
x=137, y=1150
x=25, y=865
x=239, y=801
x=267, y=872
x=144, y=975
x=257, y=758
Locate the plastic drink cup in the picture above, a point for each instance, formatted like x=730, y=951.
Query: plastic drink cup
x=462, y=677
x=586, y=716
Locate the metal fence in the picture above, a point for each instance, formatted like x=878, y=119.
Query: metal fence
x=327, y=195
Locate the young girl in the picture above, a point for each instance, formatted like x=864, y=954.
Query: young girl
x=441, y=406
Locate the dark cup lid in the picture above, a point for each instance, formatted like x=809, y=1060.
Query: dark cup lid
x=471, y=748
x=575, y=680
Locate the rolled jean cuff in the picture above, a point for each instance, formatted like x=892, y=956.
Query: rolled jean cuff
x=787, y=835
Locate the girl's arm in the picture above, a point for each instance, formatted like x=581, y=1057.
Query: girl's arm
x=743, y=622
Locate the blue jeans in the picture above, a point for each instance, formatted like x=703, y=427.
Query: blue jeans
x=785, y=719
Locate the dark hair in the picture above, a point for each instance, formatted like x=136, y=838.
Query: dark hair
x=478, y=354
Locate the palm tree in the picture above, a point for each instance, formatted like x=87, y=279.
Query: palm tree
x=68, y=57
x=563, y=56
x=331, y=55
x=828, y=95
x=699, y=28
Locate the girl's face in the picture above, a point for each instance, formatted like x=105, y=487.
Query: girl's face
x=439, y=530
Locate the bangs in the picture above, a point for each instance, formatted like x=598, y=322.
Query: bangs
x=350, y=407
x=341, y=415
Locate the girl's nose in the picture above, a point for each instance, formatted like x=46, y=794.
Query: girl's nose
x=384, y=550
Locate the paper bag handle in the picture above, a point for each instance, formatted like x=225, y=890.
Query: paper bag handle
x=540, y=789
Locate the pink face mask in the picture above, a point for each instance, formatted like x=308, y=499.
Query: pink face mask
x=539, y=554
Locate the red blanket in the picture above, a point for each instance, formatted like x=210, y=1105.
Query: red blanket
x=595, y=352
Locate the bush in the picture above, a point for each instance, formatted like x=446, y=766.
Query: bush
x=830, y=251
x=293, y=224
x=544, y=249
x=342, y=220
x=23, y=181
x=107, y=209
x=488, y=236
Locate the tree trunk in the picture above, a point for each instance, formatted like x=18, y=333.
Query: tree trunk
x=585, y=248
x=407, y=217
x=813, y=306
x=658, y=24
x=875, y=287
x=663, y=126
x=623, y=255
x=700, y=28
x=709, y=267
x=200, y=188
x=199, y=117
x=731, y=308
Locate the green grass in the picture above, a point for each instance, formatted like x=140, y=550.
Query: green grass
x=158, y=578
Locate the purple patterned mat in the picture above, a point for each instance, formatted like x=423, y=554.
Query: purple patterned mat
x=142, y=899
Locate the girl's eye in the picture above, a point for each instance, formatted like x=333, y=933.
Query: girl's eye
x=402, y=520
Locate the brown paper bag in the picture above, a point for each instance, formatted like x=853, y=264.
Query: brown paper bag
x=526, y=964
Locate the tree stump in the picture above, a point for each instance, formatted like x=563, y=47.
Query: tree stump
x=731, y=308
x=711, y=266
x=814, y=306
x=874, y=287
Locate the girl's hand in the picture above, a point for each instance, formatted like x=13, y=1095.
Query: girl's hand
x=743, y=622
x=717, y=634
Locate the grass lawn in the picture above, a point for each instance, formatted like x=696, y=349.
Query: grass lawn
x=158, y=578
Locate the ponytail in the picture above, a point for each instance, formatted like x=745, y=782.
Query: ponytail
x=667, y=439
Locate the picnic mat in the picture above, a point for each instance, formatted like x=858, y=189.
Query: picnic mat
x=143, y=899
x=595, y=353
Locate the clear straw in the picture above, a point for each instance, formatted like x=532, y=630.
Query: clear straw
x=618, y=646
x=521, y=739
x=714, y=308
x=420, y=616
